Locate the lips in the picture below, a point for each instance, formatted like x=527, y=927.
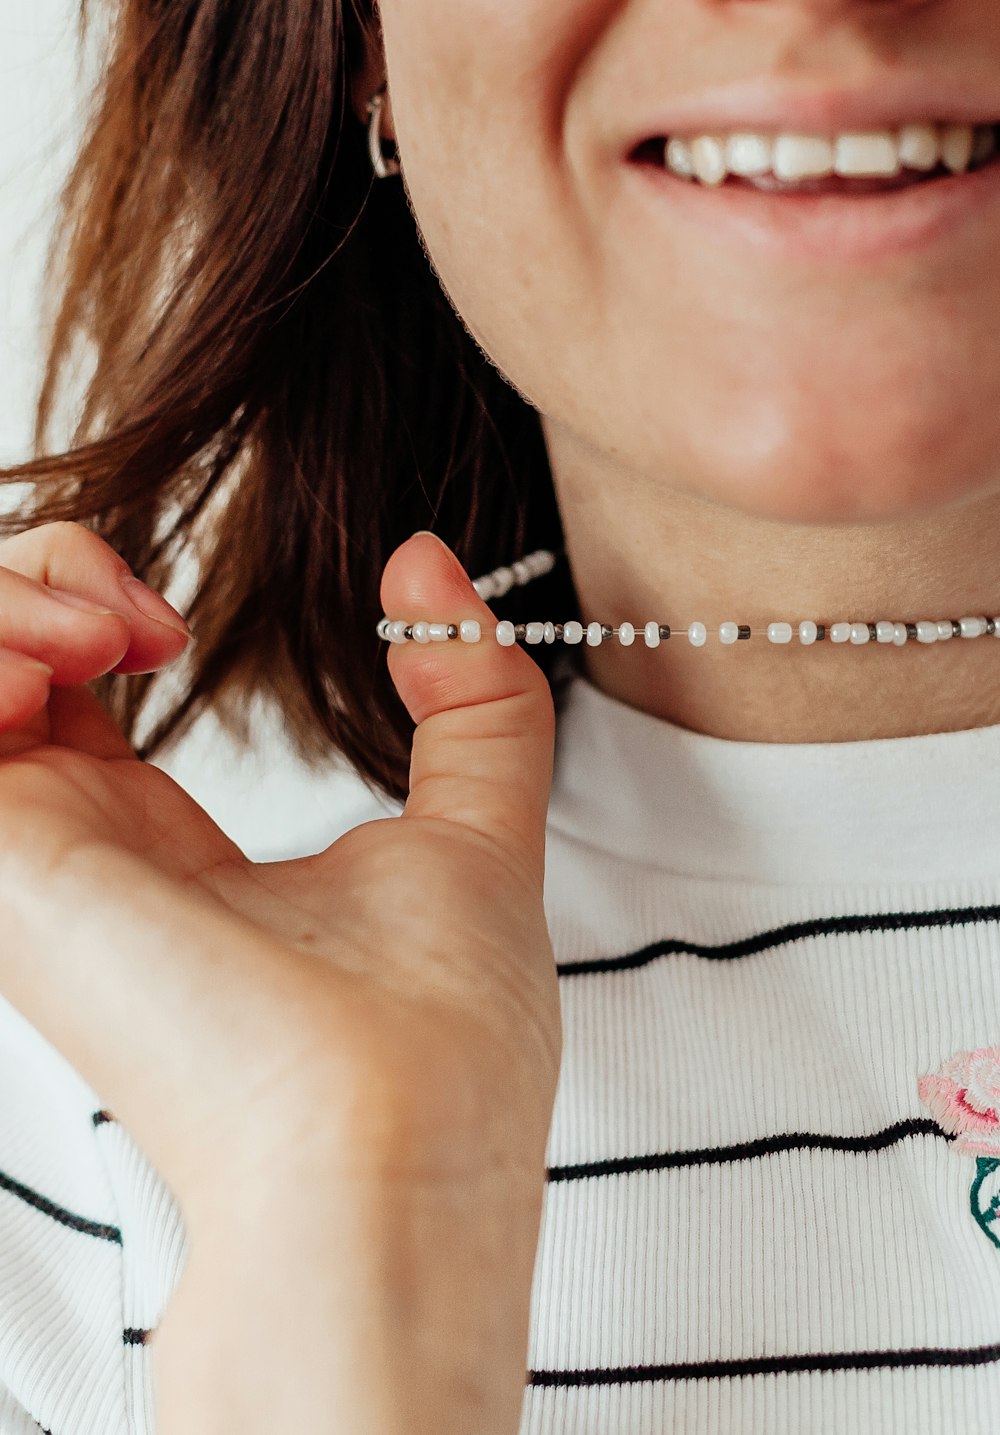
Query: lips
x=880, y=99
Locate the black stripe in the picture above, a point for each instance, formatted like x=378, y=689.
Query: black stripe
x=133, y=1335
x=747, y=1150
x=59, y=1213
x=767, y=1365
x=782, y=936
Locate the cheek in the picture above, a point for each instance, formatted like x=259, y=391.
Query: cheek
x=479, y=92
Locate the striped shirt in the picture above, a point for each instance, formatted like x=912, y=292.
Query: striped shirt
x=773, y=1195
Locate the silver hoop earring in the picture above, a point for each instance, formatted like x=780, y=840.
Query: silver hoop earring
x=384, y=165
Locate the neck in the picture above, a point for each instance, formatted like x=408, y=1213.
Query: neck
x=639, y=552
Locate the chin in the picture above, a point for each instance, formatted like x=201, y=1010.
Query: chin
x=859, y=471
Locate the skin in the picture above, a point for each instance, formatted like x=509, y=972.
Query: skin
x=365, y=1043
x=371, y=1067
x=851, y=470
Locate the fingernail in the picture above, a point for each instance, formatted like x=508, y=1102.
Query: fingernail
x=153, y=605
x=73, y=600
x=453, y=556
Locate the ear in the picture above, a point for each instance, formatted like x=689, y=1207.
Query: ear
x=368, y=76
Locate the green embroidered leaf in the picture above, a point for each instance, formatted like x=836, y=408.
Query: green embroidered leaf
x=984, y=1197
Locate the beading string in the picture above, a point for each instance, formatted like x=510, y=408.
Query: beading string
x=500, y=581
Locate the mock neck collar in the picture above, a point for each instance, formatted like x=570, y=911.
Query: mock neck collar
x=875, y=810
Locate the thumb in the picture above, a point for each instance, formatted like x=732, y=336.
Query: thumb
x=483, y=749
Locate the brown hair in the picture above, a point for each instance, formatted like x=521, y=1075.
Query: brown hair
x=277, y=381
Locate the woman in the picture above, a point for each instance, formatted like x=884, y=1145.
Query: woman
x=702, y=300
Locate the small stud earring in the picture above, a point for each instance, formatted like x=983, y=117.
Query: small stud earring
x=384, y=165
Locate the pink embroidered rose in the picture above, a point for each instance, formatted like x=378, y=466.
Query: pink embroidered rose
x=964, y=1099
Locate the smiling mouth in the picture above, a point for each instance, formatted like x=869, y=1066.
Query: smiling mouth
x=870, y=162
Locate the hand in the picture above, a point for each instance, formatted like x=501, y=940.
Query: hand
x=382, y=1016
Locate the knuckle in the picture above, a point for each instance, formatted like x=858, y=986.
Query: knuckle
x=69, y=537
x=49, y=541
x=512, y=713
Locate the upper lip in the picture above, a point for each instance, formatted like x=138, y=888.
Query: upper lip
x=772, y=106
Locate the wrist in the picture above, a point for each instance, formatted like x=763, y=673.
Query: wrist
x=374, y=1305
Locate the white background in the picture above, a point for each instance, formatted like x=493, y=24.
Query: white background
x=39, y=123
x=265, y=799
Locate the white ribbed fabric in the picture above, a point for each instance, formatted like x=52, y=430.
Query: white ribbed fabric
x=755, y=1221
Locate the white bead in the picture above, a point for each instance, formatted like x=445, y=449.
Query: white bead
x=549, y=634
x=972, y=627
x=808, y=632
x=485, y=587
x=779, y=632
x=438, y=632
x=860, y=633
x=529, y=564
x=927, y=632
x=885, y=632
x=594, y=635
x=522, y=573
x=397, y=630
x=573, y=632
x=652, y=632
x=840, y=633
x=729, y=632
x=505, y=634
x=626, y=634
x=996, y=627
x=469, y=631
x=899, y=635
x=697, y=633
x=534, y=632
x=421, y=632
x=945, y=630
x=503, y=581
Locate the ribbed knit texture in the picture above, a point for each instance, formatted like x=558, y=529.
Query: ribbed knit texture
x=754, y=1222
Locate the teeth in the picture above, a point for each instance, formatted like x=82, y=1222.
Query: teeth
x=708, y=159
x=919, y=147
x=957, y=144
x=792, y=157
x=748, y=155
x=867, y=155
x=802, y=157
x=679, y=158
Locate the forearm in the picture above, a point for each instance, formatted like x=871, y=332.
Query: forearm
x=372, y=1307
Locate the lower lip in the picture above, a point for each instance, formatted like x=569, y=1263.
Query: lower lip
x=829, y=227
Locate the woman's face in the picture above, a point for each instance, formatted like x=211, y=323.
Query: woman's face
x=798, y=357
